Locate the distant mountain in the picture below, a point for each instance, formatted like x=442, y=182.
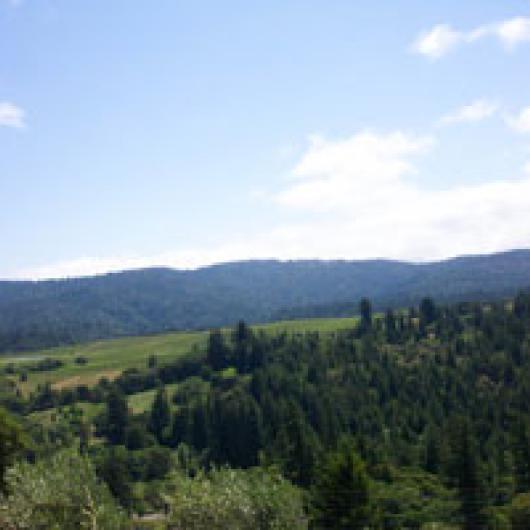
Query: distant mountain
x=53, y=312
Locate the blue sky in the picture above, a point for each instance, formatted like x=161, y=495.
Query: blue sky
x=185, y=133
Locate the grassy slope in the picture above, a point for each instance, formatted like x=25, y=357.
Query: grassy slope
x=108, y=358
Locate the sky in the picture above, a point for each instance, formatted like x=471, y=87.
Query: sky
x=181, y=134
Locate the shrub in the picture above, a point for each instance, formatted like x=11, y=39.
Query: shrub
x=236, y=499
x=59, y=493
x=520, y=512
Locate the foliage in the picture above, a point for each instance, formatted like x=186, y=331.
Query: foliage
x=240, y=500
x=160, y=416
x=520, y=512
x=60, y=493
x=117, y=418
x=409, y=497
x=12, y=442
x=435, y=398
x=341, y=495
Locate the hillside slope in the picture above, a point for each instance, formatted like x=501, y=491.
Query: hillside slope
x=49, y=313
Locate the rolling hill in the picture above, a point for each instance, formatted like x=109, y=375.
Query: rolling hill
x=54, y=312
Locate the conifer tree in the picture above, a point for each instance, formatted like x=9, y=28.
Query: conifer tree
x=160, y=416
x=469, y=480
x=341, y=495
x=521, y=455
x=12, y=441
x=117, y=418
x=365, y=308
x=217, y=351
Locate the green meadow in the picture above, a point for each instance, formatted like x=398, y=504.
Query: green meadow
x=109, y=358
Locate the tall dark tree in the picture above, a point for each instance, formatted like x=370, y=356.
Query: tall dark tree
x=427, y=311
x=13, y=441
x=241, y=332
x=469, y=479
x=114, y=470
x=365, y=308
x=217, y=352
x=241, y=336
x=296, y=446
x=160, y=416
x=432, y=456
x=117, y=417
x=341, y=496
x=84, y=436
x=520, y=438
x=390, y=326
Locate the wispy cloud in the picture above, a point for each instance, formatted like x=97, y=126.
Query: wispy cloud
x=520, y=122
x=442, y=38
x=476, y=111
x=11, y=115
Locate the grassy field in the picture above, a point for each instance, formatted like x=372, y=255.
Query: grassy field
x=108, y=358
x=138, y=403
x=143, y=400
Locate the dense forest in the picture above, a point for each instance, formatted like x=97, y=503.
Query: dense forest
x=412, y=418
x=49, y=313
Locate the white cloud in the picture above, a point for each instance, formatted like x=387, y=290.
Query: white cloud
x=514, y=31
x=332, y=174
x=521, y=122
x=11, y=115
x=437, y=42
x=526, y=168
x=476, y=111
x=442, y=39
x=355, y=200
x=373, y=209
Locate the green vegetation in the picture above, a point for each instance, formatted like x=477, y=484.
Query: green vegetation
x=342, y=491
x=109, y=358
x=240, y=500
x=103, y=359
x=58, y=493
x=411, y=419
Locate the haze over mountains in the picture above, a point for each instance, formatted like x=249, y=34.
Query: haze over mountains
x=54, y=312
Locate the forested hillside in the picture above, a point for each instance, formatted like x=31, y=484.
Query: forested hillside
x=49, y=313
x=414, y=418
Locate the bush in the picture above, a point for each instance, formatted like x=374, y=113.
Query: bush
x=59, y=493
x=520, y=512
x=239, y=500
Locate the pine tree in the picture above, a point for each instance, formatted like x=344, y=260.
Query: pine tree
x=469, y=481
x=521, y=455
x=217, y=351
x=390, y=326
x=341, y=496
x=12, y=441
x=365, y=308
x=160, y=416
x=427, y=311
x=117, y=418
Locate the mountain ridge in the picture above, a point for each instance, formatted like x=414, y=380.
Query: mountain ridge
x=35, y=314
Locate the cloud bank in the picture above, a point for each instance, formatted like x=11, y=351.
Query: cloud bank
x=442, y=39
x=355, y=200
